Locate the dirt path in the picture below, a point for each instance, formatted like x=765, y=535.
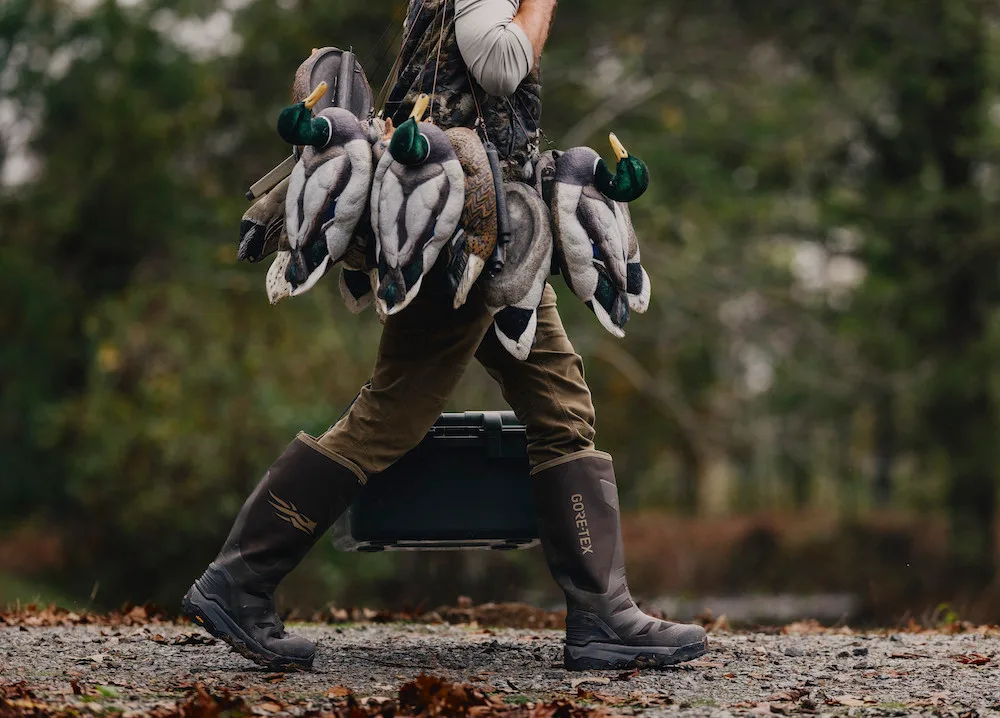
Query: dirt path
x=142, y=668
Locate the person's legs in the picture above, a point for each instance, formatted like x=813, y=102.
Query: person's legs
x=547, y=391
x=577, y=503
x=423, y=352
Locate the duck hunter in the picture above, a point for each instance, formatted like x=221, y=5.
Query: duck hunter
x=484, y=57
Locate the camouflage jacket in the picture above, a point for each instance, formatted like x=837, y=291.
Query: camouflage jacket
x=430, y=62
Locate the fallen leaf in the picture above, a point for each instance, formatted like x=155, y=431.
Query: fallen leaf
x=338, y=692
x=849, y=701
x=192, y=639
x=792, y=694
x=576, y=682
x=933, y=701
x=270, y=707
x=627, y=675
x=972, y=659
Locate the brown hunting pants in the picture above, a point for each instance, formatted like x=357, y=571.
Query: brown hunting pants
x=424, y=351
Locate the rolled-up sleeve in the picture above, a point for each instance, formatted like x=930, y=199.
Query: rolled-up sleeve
x=497, y=52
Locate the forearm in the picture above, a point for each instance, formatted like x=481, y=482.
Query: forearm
x=494, y=41
x=535, y=18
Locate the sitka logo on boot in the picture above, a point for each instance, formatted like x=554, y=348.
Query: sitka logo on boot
x=582, y=528
x=286, y=511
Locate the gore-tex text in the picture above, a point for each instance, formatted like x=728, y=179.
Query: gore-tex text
x=582, y=528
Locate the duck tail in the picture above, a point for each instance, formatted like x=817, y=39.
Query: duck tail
x=297, y=272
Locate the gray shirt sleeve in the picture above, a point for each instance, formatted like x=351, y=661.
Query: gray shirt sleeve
x=497, y=52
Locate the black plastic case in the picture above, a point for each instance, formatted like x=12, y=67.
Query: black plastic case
x=465, y=486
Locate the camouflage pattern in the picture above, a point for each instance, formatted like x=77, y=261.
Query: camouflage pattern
x=512, y=123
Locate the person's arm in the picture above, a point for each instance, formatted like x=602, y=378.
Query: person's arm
x=534, y=17
x=501, y=40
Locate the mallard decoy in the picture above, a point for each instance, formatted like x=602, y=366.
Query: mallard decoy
x=328, y=189
x=263, y=224
x=416, y=202
x=513, y=295
x=593, y=233
x=477, y=234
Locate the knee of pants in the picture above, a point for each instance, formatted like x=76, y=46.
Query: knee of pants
x=374, y=436
x=564, y=428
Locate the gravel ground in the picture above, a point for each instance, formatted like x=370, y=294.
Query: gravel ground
x=139, y=668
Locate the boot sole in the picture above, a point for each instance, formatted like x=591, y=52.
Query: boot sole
x=211, y=616
x=615, y=656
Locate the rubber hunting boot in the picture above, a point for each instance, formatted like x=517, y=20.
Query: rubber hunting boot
x=300, y=496
x=580, y=529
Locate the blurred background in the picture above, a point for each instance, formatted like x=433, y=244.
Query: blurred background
x=807, y=413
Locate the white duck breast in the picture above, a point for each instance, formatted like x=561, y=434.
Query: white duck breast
x=414, y=211
x=595, y=242
x=513, y=295
x=327, y=194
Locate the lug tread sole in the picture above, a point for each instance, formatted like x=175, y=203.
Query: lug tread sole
x=207, y=614
x=610, y=656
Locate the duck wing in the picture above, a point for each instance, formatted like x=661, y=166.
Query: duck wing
x=637, y=281
x=262, y=225
x=414, y=212
x=513, y=295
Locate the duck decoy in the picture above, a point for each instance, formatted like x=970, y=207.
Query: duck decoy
x=476, y=237
x=594, y=238
x=416, y=203
x=328, y=189
x=513, y=294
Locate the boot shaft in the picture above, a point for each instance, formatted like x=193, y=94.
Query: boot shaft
x=579, y=523
x=300, y=496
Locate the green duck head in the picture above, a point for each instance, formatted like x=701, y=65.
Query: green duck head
x=408, y=146
x=296, y=123
x=630, y=180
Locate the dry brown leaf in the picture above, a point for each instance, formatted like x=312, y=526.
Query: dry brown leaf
x=576, y=682
x=972, y=659
x=627, y=675
x=791, y=694
x=935, y=700
x=338, y=692
x=849, y=701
